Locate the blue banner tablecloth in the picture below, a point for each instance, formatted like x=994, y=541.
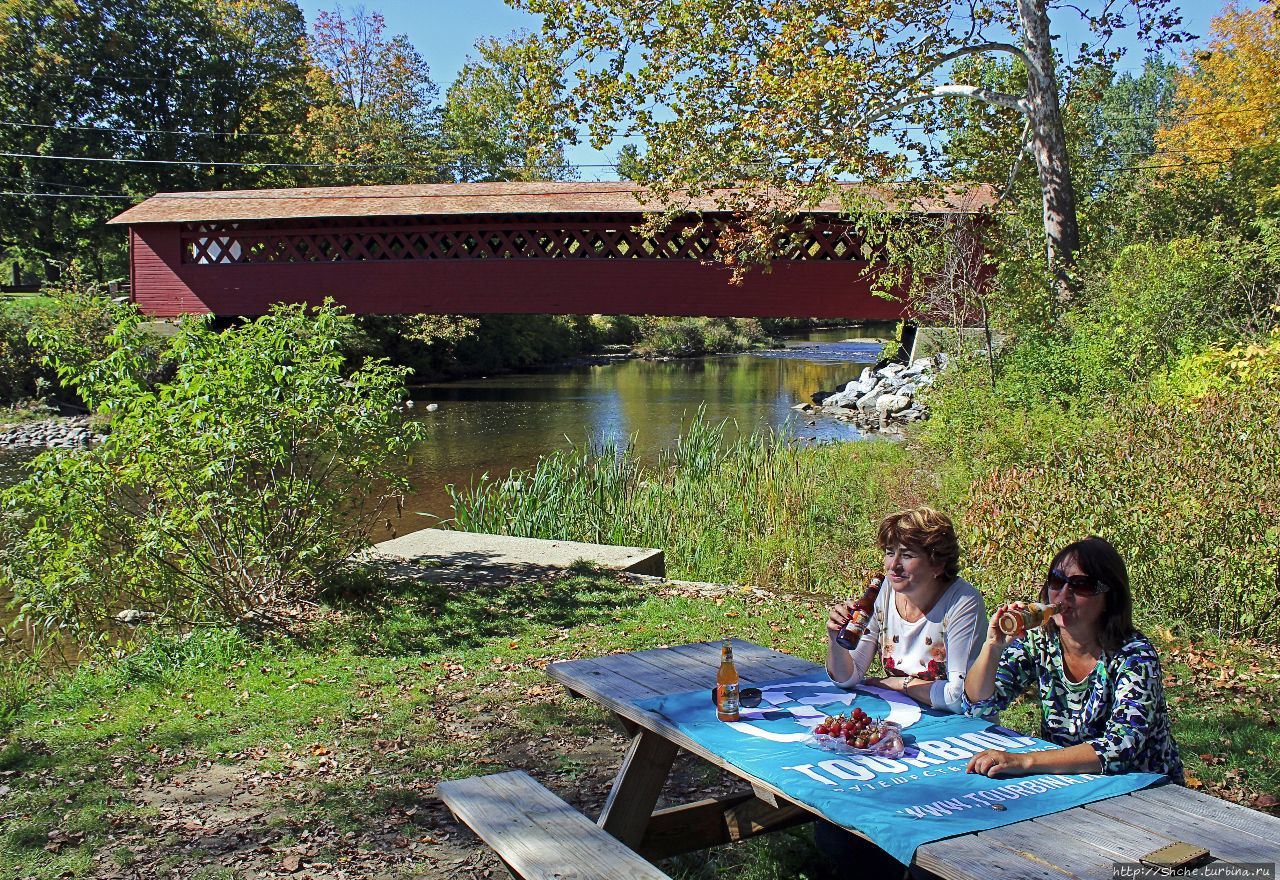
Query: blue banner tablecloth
x=900, y=803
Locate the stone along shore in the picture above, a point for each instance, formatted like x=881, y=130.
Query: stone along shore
x=58, y=433
x=880, y=400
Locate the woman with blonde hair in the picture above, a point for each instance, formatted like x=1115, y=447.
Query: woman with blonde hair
x=927, y=628
x=928, y=623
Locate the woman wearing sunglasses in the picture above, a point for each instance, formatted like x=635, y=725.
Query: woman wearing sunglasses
x=1099, y=680
x=927, y=623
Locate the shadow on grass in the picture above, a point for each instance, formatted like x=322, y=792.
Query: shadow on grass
x=389, y=611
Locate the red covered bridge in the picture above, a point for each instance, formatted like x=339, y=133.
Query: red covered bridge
x=472, y=248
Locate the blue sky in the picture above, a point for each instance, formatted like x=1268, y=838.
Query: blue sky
x=444, y=32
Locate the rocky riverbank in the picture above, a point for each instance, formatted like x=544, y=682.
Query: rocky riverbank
x=882, y=399
x=54, y=433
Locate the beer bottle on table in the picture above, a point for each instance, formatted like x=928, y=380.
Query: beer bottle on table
x=727, y=685
x=1016, y=622
x=851, y=633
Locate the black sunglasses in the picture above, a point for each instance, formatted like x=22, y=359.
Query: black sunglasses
x=748, y=698
x=1080, y=584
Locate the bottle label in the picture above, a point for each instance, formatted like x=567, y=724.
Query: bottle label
x=852, y=633
x=728, y=699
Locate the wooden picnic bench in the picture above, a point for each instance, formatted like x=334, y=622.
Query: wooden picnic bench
x=1083, y=842
x=536, y=834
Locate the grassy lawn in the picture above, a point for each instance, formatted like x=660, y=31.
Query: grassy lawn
x=226, y=758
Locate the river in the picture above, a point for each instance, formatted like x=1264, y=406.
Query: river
x=493, y=424
x=497, y=423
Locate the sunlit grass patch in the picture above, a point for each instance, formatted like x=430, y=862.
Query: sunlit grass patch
x=350, y=726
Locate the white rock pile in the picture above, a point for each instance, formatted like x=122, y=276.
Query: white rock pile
x=71, y=433
x=883, y=399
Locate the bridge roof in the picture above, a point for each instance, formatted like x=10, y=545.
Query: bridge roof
x=444, y=199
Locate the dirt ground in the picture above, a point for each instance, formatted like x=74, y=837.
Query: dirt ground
x=227, y=821
x=239, y=817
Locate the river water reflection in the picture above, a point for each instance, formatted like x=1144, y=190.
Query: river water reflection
x=499, y=423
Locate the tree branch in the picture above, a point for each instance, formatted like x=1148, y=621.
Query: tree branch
x=976, y=49
x=944, y=58
x=1023, y=141
x=978, y=93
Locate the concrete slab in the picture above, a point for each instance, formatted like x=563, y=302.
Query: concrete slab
x=437, y=554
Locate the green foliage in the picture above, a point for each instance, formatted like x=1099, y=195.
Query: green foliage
x=241, y=482
x=372, y=110
x=1153, y=305
x=1187, y=494
x=446, y=346
x=753, y=509
x=1245, y=189
x=1160, y=302
x=74, y=309
x=151, y=71
x=20, y=368
x=616, y=329
x=688, y=337
x=500, y=119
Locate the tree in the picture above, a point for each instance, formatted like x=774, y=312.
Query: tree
x=796, y=94
x=1226, y=101
x=232, y=488
x=373, y=109
x=176, y=81
x=1130, y=112
x=628, y=165
x=500, y=120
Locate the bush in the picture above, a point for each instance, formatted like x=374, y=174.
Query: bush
x=689, y=337
x=443, y=346
x=21, y=373
x=75, y=309
x=1187, y=488
x=1161, y=302
x=240, y=483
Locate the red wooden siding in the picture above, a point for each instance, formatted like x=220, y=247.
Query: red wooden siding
x=499, y=264
x=154, y=264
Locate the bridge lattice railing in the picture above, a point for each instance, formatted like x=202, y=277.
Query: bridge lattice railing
x=394, y=239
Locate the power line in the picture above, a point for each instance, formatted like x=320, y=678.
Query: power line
x=1247, y=108
x=64, y=195
x=1154, y=167
x=201, y=162
x=30, y=181
x=191, y=132
x=449, y=195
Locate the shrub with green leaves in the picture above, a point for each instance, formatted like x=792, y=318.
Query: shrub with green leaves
x=687, y=337
x=237, y=485
x=20, y=369
x=1187, y=488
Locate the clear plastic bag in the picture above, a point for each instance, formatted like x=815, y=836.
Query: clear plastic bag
x=890, y=744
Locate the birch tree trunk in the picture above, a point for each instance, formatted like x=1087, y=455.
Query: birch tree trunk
x=1049, y=146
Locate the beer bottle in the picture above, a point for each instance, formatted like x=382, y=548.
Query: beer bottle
x=1016, y=622
x=851, y=633
x=727, y=685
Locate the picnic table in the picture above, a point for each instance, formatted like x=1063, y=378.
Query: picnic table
x=1082, y=842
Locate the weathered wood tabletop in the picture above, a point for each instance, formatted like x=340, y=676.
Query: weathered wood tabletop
x=1083, y=842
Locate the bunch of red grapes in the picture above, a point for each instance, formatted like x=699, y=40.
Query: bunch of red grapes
x=859, y=730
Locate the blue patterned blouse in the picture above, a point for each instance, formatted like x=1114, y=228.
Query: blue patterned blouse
x=1119, y=709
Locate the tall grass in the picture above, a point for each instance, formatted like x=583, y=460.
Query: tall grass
x=755, y=509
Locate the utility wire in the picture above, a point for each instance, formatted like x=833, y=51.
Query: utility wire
x=41, y=195
x=202, y=162
x=268, y=134
x=104, y=128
